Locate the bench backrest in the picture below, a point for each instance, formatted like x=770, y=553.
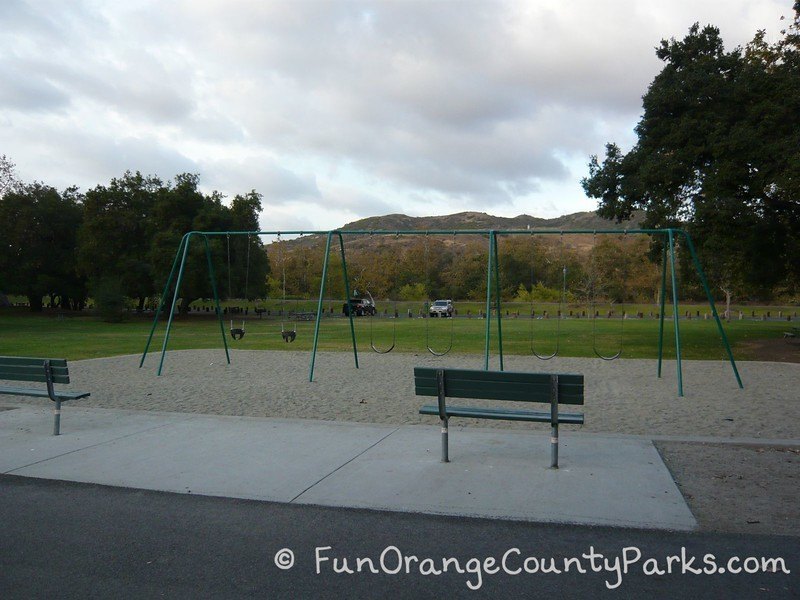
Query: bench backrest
x=17, y=368
x=499, y=385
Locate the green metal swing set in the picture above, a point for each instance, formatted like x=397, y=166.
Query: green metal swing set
x=175, y=279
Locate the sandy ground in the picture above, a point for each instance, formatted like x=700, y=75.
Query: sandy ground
x=754, y=482
x=741, y=489
x=623, y=396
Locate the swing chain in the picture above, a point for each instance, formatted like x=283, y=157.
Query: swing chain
x=237, y=333
x=561, y=304
x=427, y=316
x=594, y=312
x=286, y=334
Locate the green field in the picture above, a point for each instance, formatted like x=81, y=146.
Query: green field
x=78, y=337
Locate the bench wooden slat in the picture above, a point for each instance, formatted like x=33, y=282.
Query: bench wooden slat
x=568, y=383
x=32, y=373
x=28, y=361
x=500, y=385
x=24, y=368
x=504, y=414
x=511, y=393
x=504, y=376
x=64, y=396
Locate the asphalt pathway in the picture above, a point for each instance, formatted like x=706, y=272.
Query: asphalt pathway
x=75, y=540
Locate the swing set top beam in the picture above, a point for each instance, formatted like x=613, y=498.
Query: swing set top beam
x=665, y=232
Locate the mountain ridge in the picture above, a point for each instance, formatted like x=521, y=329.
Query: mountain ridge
x=481, y=220
x=469, y=220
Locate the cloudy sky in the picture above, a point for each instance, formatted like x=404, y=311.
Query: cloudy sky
x=338, y=110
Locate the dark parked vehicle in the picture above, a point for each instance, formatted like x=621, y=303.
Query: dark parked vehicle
x=360, y=306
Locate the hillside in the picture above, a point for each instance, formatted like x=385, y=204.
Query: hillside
x=447, y=265
x=462, y=221
x=478, y=220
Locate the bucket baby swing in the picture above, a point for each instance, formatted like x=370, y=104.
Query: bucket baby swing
x=288, y=335
x=237, y=333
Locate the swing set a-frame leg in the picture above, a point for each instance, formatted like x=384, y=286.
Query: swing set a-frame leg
x=161, y=302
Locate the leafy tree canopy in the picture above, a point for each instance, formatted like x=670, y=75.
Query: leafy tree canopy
x=718, y=153
x=8, y=176
x=119, y=240
x=37, y=257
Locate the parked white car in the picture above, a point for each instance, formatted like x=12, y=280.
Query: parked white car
x=441, y=308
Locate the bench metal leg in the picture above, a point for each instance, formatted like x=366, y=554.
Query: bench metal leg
x=48, y=375
x=57, y=418
x=554, y=422
x=442, y=412
x=445, y=454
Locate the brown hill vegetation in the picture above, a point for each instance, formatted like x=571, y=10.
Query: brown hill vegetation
x=412, y=266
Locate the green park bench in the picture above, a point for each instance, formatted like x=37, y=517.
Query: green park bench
x=547, y=388
x=44, y=370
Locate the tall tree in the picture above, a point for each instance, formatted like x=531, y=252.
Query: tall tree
x=718, y=153
x=39, y=244
x=248, y=258
x=181, y=208
x=114, y=240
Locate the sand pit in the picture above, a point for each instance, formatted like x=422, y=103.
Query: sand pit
x=623, y=396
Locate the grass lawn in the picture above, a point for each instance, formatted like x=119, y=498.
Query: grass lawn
x=78, y=337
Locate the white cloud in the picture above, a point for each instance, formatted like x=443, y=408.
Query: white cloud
x=337, y=110
x=279, y=185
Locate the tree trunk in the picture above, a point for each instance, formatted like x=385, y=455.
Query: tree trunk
x=35, y=302
x=728, y=296
x=183, y=307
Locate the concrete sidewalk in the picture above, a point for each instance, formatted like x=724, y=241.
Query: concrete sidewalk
x=603, y=479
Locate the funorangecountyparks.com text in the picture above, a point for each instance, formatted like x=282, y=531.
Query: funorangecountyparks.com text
x=514, y=562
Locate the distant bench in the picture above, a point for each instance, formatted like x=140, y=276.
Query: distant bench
x=552, y=389
x=43, y=370
x=303, y=316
